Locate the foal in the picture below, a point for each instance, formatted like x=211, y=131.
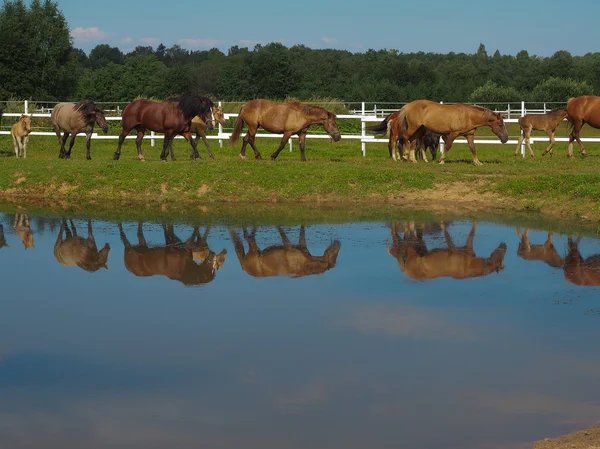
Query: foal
x=20, y=132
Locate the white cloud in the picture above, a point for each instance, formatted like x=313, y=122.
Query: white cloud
x=87, y=34
x=199, y=43
x=127, y=40
x=150, y=40
x=329, y=40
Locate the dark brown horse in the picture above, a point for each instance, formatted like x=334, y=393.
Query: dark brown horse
x=170, y=117
x=75, y=251
x=582, y=110
x=75, y=118
x=541, y=122
x=282, y=260
x=581, y=271
x=453, y=120
x=287, y=118
x=417, y=262
x=199, y=128
x=546, y=252
x=175, y=260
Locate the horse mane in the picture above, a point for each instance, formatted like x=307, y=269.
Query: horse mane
x=307, y=109
x=86, y=108
x=488, y=114
x=192, y=105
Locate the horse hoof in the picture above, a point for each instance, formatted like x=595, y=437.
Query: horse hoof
x=258, y=158
x=442, y=162
x=162, y=160
x=212, y=157
x=584, y=155
x=89, y=158
x=273, y=157
x=569, y=156
x=116, y=157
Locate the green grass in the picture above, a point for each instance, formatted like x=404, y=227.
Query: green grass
x=335, y=172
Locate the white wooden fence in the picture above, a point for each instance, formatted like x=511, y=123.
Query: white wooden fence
x=364, y=115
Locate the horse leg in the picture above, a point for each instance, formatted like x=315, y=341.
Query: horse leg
x=167, y=141
x=122, y=136
x=205, y=140
x=88, y=142
x=550, y=148
x=124, y=239
x=16, y=145
x=63, y=150
x=71, y=143
x=194, y=144
x=472, y=236
x=249, y=138
x=25, y=147
x=73, y=228
x=575, y=136
x=520, y=142
x=528, y=143
x=411, y=151
x=90, y=236
x=302, y=139
x=284, y=140
x=138, y=142
x=471, y=142
x=449, y=142
x=581, y=145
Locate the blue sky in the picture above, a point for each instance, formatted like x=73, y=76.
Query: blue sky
x=539, y=26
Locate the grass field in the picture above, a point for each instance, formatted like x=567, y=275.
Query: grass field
x=334, y=173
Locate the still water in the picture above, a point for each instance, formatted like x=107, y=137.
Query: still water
x=380, y=335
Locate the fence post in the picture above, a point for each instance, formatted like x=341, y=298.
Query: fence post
x=544, y=107
x=26, y=107
x=220, y=127
x=152, y=140
x=442, y=144
x=363, y=130
x=290, y=142
x=522, y=143
x=508, y=110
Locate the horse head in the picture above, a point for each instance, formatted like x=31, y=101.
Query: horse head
x=496, y=122
x=26, y=122
x=330, y=125
x=100, y=119
x=218, y=115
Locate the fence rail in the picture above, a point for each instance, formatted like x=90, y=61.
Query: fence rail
x=363, y=114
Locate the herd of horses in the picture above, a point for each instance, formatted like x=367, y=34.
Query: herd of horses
x=192, y=262
x=417, y=126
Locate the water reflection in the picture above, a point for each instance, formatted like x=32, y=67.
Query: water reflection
x=2, y=239
x=282, y=260
x=75, y=251
x=545, y=252
x=22, y=227
x=418, y=262
x=581, y=271
x=176, y=260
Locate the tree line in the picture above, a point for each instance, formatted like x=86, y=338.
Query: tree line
x=38, y=61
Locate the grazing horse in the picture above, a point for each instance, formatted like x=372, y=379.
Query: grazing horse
x=282, y=260
x=453, y=120
x=75, y=118
x=176, y=260
x=546, y=253
x=75, y=251
x=582, y=110
x=417, y=262
x=540, y=122
x=287, y=118
x=22, y=228
x=580, y=271
x=171, y=117
x=20, y=135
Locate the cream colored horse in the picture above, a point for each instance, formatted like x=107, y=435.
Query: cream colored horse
x=20, y=135
x=75, y=251
x=22, y=228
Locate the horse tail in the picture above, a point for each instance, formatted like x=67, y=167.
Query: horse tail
x=237, y=129
x=381, y=127
x=402, y=123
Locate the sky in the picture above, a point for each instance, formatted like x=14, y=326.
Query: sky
x=541, y=27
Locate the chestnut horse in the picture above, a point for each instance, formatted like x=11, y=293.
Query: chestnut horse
x=452, y=119
x=540, y=122
x=75, y=251
x=582, y=110
x=20, y=134
x=417, y=262
x=580, y=271
x=282, y=260
x=75, y=118
x=171, y=117
x=199, y=128
x=546, y=252
x=287, y=118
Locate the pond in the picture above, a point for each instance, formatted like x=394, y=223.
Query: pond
x=455, y=334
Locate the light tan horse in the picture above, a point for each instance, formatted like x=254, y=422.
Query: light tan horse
x=453, y=120
x=75, y=251
x=22, y=228
x=286, y=118
x=417, y=262
x=175, y=260
x=582, y=110
x=540, y=122
x=546, y=252
x=20, y=135
x=580, y=271
x=282, y=260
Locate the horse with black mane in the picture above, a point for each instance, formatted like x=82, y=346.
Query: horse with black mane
x=171, y=117
x=75, y=118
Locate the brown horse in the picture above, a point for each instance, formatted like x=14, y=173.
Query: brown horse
x=540, y=122
x=282, y=260
x=176, y=259
x=580, y=271
x=171, y=117
x=546, y=253
x=453, y=120
x=22, y=227
x=75, y=251
x=199, y=128
x=417, y=262
x=287, y=118
x=582, y=110
x=20, y=135
x=75, y=118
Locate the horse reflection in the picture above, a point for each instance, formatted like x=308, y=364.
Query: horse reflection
x=282, y=260
x=2, y=239
x=546, y=252
x=22, y=228
x=75, y=251
x=176, y=260
x=580, y=271
x=417, y=262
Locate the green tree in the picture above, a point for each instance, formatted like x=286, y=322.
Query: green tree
x=494, y=95
x=560, y=90
x=102, y=54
